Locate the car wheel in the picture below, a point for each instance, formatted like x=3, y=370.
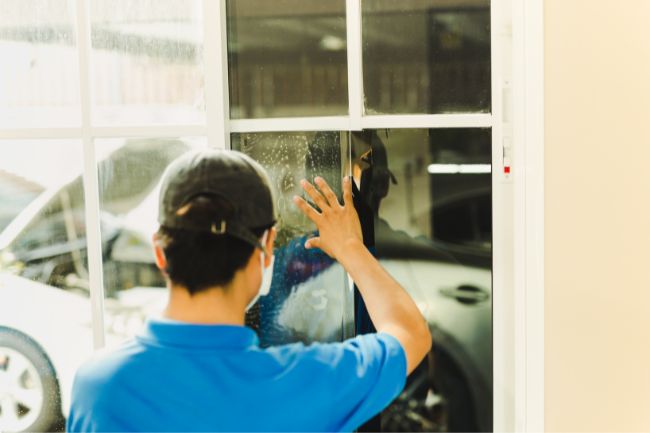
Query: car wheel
x=29, y=391
x=435, y=399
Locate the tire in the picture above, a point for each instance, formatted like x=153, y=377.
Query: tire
x=435, y=398
x=449, y=378
x=31, y=400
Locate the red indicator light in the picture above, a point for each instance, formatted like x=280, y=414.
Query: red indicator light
x=506, y=170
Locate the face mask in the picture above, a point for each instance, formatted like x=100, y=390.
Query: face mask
x=267, y=274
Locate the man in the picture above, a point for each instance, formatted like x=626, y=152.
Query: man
x=198, y=368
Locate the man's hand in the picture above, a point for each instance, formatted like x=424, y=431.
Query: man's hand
x=391, y=309
x=338, y=225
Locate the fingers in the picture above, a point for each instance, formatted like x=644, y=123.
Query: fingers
x=314, y=194
x=312, y=243
x=332, y=200
x=347, y=191
x=307, y=209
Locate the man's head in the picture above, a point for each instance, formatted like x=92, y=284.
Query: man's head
x=215, y=207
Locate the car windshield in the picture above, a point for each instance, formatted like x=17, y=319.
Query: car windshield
x=61, y=220
x=51, y=245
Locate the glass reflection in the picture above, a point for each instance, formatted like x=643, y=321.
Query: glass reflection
x=309, y=298
x=432, y=232
x=287, y=58
x=426, y=56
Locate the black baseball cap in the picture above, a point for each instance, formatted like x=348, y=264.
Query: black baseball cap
x=233, y=178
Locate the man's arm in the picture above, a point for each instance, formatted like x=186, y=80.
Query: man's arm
x=390, y=307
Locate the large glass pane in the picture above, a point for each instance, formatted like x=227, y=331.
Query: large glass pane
x=45, y=325
x=130, y=171
x=430, y=194
x=309, y=298
x=426, y=56
x=287, y=58
x=39, y=78
x=147, y=61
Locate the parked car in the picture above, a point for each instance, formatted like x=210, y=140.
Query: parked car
x=45, y=326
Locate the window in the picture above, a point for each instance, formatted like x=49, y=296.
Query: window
x=398, y=95
x=147, y=62
x=309, y=298
x=38, y=87
x=287, y=58
x=129, y=183
x=44, y=305
x=426, y=56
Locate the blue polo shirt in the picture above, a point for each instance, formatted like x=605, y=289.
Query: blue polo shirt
x=186, y=377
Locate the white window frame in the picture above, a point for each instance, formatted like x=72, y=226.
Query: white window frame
x=517, y=122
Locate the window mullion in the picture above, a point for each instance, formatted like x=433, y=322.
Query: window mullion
x=299, y=124
x=471, y=120
x=150, y=131
x=215, y=58
x=90, y=179
x=355, y=67
x=39, y=133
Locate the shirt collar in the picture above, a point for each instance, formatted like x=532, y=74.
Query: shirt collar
x=198, y=336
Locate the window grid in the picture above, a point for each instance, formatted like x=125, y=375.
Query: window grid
x=90, y=179
x=219, y=126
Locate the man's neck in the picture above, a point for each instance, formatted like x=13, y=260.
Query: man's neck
x=217, y=305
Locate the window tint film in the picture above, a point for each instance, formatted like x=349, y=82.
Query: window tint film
x=429, y=194
x=287, y=58
x=426, y=56
x=309, y=297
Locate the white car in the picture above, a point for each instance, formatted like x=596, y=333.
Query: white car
x=45, y=334
x=45, y=322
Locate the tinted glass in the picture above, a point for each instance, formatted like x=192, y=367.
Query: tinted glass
x=287, y=58
x=39, y=78
x=147, y=61
x=309, y=298
x=130, y=171
x=428, y=193
x=426, y=56
x=43, y=281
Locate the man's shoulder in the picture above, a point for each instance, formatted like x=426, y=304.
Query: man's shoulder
x=106, y=364
x=333, y=355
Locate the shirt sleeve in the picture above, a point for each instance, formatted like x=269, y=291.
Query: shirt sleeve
x=369, y=372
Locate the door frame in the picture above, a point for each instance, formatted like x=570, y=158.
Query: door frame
x=528, y=116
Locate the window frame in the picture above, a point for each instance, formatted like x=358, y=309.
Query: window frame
x=516, y=120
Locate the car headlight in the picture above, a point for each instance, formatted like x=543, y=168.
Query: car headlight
x=9, y=263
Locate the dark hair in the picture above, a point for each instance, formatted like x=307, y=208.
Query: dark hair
x=199, y=260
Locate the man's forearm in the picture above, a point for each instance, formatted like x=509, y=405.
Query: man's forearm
x=339, y=234
x=391, y=308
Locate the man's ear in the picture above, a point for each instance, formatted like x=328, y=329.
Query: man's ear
x=159, y=254
x=270, y=240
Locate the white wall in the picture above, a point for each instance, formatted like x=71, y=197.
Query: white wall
x=597, y=174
